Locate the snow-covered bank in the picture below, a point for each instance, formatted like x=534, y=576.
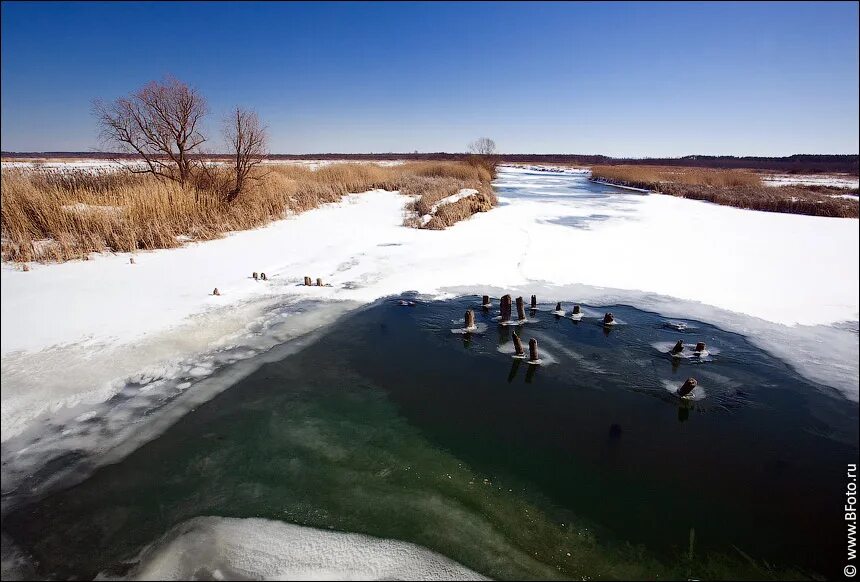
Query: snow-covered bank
x=222, y=548
x=74, y=332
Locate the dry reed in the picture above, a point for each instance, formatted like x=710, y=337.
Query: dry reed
x=738, y=188
x=62, y=215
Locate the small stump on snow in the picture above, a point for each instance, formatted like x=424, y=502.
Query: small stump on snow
x=255, y=276
x=308, y=281
x=679, y=347
x=505, y=307
x=131, y=260
x=521, y=311
x=518, y=345
x=216, y=292
x=26, y=267
x=263, y=277
x=319, y=282
x=470, y=319
x=688, y=386
x=608, y=319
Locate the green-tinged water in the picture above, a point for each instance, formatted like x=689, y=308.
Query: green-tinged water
x=586, y=466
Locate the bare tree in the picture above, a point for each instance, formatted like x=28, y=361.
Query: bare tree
x=247, y=140
x=483, y=146
x=160, y=122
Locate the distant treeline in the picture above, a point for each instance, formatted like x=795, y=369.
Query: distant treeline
x=796, y=164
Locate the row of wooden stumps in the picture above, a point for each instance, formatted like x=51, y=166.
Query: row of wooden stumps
x=505, y=307
x=309, y=282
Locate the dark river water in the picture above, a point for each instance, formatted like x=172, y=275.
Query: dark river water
x=587, y=465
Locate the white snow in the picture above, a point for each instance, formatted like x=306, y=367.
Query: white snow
x=74, y=334
x=833, y=181
x=221, y=548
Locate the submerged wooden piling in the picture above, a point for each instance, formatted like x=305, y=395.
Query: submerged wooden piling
x=534, y=301
x=470, y=319
x=576, y=310
x=505, y=307
x=679, y=347
x=688, y=386
x=485, y=301
x=700, y=347
x=518, y=345
x=521, y=311
x=533, y=350
x=608, y=319
x=558, y=306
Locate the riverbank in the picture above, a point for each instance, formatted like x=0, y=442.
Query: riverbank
x=737, y=188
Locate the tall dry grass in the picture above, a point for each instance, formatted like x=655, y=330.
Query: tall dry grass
x=738, y=188
x=62, y=215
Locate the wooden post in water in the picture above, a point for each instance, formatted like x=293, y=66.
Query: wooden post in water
x=518, y=345
x=608, y=319
x=521, y=311
x=505, y=307
x=470, y=319
x=687, y=387
x=534, y=301
x=319, y=282
x=558, y=306
x=576, y=310
x=700, y=347
x=679, y=347
x=485, y=302
x=533, y=351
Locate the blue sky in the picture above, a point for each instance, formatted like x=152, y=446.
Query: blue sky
x=645, y=79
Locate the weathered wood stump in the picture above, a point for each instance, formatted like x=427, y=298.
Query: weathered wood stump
x=308, y=281
x=518, y=345
x=700, y=347
x=521, y=310
x=533, y=351
x=26, y=267
x=216, y=292
x=263, y=277
x=688, y=386
x=485, y=301
x=131, y=260
x=534, y=301
x=319, y=282
x=558, y=306
x=608, y=319
x=470, y=319
x=255, y=276
x=576, y=310
x=679, y=347
x=505, y=307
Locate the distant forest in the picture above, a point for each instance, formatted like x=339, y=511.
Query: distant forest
x=796, y=164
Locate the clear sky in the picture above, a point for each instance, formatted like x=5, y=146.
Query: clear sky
x=643, y=79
